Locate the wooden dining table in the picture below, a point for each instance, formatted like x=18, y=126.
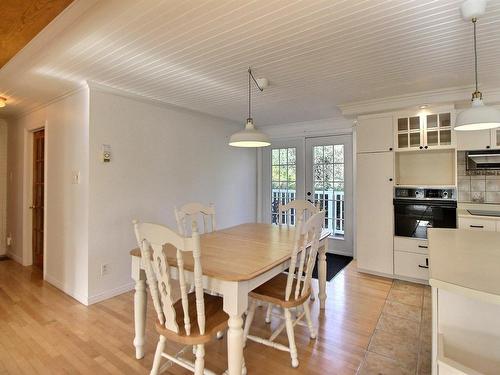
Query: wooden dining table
x=235, y=261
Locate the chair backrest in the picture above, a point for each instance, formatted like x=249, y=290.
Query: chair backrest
x=190, y=213
x=304, y=254
x=296, y=212
x=152, y=239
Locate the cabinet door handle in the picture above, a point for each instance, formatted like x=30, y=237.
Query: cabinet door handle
x=390, y=148
x=390, y=179
x=426, y=263
x=421, y=147
x=423, y=246
x=476, y=226
x=426, y=147
x=487, y=146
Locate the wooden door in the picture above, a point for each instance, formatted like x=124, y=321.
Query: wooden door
x=38, y=194
x=374, y=214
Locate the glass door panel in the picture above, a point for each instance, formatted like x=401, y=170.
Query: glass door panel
x=415, y=140
x=329, y=183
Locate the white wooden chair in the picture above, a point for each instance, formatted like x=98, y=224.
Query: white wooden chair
x=192, y=212
x=300, y=211
x=291, y=291
x=193, y=320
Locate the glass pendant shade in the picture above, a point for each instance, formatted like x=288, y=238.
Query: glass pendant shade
x=249, y=137
x=478, y=117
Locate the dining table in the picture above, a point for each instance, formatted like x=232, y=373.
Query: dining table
x=234, y=261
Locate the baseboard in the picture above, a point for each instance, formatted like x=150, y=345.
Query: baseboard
x=346, y=253
x=411, y=279
x=15, y=258
x=61, y=286
x=381, y=274
x=111, y=293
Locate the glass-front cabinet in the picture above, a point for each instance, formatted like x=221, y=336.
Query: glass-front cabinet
x=424, y=130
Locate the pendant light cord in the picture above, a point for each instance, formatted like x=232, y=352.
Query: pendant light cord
x=474, y=20
x=251, y=77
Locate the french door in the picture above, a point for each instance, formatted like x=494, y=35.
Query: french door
x=317, y=169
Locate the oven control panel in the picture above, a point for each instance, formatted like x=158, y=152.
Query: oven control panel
x=424, y=193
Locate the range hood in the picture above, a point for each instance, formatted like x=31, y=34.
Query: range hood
x=483, y=160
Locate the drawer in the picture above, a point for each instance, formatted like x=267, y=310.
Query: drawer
x=477, y=224
x=412, y=245
x=411, y=265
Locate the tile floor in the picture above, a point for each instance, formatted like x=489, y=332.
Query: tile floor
x=401, y=343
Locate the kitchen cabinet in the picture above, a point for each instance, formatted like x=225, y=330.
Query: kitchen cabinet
x=423, y=131
x=411, y=265
x=479, y=224
x=411, y=259
x=478, y=140
x=374, y=213
x=374, y=134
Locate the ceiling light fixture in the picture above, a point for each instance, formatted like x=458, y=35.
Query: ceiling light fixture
x=3, y=102
x=250, y=136
x=479, y=116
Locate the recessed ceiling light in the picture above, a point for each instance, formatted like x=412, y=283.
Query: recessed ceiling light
x=424, y=106
x=3, y=102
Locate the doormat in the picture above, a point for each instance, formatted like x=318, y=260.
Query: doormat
x=334, y=264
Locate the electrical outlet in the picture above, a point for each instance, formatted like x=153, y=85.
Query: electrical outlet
x=9, y=240
x=105, y=269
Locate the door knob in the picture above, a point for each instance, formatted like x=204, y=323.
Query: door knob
x=308, y=193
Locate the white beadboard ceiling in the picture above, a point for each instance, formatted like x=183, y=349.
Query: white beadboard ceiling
x=195, y=53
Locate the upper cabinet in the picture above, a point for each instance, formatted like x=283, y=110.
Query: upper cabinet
x=478, y=139
x=374, y=134
x=424, y=131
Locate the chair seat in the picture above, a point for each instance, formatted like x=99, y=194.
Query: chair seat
x=273, y=291
x=216, y=320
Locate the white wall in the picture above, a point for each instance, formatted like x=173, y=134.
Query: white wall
x=3, y=187
x=66, y=204
x=161, y=157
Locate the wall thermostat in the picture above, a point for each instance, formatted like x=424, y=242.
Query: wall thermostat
x=106, y=153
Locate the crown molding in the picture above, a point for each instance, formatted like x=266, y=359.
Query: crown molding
x=95, y=86
x=458, y=96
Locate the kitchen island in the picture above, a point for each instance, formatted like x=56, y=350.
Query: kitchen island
x=465, y=280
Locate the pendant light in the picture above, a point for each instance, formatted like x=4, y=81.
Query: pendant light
x=3, y=102
x=479, y=116
x=250, y=136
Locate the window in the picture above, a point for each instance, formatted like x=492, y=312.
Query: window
x=283, y=181
x=328, y=182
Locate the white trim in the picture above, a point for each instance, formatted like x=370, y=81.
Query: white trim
x=455, y=95
x=27, y=112
x=316, y=128
x=110, y=293
x=15, y=257
x=69, y=291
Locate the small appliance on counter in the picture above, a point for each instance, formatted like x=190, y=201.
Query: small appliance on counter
x=417, y=209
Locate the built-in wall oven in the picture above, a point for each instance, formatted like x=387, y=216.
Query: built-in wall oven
x=417, y=209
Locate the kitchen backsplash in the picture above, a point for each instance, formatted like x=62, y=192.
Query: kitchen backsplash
x=477, y=186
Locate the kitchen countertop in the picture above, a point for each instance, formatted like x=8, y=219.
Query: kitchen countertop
x=462, y=212
x=466, y=261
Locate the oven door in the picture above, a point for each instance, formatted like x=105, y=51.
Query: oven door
x=412, y=217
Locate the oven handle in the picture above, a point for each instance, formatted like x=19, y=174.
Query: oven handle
x=424, y=202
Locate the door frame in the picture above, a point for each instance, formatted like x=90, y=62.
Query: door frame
x=264, y=180
x=342, y=246
x=28, y=196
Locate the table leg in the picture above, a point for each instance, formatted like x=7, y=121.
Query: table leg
x=322, y=274
x=235, y=304
x=235, y=345
x=140, y=304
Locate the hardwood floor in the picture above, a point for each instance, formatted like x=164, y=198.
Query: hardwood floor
x=371, y=326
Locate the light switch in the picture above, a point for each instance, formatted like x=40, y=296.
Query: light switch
x=75, y=177
x=106, y=153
